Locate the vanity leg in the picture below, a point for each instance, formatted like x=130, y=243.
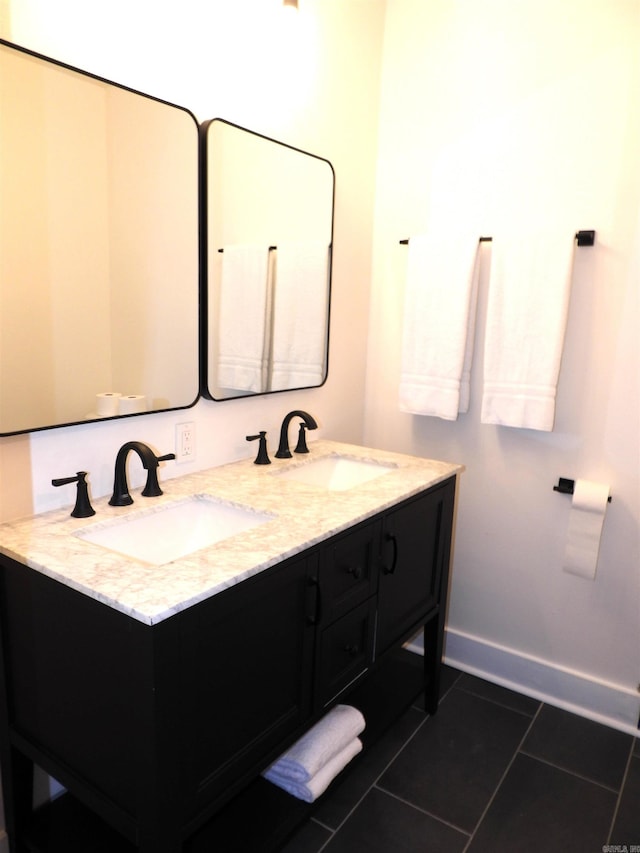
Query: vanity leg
x=18, y=797
x=433, y=645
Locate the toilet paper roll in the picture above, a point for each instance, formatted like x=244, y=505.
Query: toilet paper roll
x=588, y=510
x=107, y=404
x=132, y=404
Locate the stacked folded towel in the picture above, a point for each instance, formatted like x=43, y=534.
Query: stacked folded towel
x=308, y=767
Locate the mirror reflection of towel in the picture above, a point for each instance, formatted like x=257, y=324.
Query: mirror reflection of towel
x=300, y=315
x=242, y=348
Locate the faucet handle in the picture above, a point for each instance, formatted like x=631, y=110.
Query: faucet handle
x=83, y=508
x=263, y=457
x=152, y=487
x=301, y=446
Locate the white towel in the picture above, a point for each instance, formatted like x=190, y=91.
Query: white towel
x=328, y=737
x=300, y=311
x=242, y=323
x=526, y=320
x=439, y=324
x=317, y=784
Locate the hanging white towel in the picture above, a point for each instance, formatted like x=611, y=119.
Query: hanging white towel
x=242, y=343
x=300, y=311
x=526, y=320
x=439, y=324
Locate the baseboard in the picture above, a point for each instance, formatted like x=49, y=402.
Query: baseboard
x=605, y=702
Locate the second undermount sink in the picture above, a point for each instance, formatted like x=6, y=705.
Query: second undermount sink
x=336, y=473
x=167, y=533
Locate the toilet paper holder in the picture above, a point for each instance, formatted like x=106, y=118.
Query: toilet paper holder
x=565, y=486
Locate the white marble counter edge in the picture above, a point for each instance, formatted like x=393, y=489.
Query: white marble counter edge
x=46, y=542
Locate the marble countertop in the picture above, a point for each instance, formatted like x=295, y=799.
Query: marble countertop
x=302, y=515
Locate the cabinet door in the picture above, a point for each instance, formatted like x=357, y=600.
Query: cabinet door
x=416, y=540
x=248, y=661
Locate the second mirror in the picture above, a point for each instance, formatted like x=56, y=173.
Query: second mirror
x=269, y=228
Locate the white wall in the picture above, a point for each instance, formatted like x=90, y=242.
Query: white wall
x=294, y=81
x=495, y=113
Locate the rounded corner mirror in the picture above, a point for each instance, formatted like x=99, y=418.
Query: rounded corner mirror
x=269, y=232
x=99, y=265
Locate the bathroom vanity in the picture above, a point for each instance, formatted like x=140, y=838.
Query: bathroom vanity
x=157, y=693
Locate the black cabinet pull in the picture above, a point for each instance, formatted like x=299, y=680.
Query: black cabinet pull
x=317, y=603
x=356, y=571
x=394, y=562
x=352, y=650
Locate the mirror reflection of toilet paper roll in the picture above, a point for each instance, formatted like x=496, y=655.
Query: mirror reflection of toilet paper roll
x=107, y=404
x=132, y=404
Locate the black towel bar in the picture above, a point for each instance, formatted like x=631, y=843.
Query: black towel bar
x=584, y=238
x=480, y=240
x=271, y=249
x=565, y=487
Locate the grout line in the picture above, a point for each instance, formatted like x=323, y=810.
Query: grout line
x=620, y=793
x=480, y=695
x=323, y=825
x=502, y=778
x=423, y=811
x=569, y=772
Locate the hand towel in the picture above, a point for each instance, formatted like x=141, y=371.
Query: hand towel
x=439, y=324
x=242, y=356
x=320, y=744
x=300, y=313
x=317, y=784
x=529, y=293
x=588, y=509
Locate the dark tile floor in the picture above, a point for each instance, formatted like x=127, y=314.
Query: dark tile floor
x=492, y=771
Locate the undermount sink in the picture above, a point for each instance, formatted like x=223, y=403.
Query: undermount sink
x=161, y=535
x=336, y=473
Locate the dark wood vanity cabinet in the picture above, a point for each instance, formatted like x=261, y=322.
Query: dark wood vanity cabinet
x=156, y=729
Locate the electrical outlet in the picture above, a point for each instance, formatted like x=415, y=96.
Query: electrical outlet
x=185, y=442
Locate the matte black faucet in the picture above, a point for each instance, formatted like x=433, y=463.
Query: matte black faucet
x=283, y=451
x=263, y=456
x=83, y=508
x=121, y=496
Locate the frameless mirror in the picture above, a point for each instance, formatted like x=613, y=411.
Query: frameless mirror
x=269, y=226
x=98, y=248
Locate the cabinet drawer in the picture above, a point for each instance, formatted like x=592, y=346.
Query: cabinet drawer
x=347, y=575
x=345, y=651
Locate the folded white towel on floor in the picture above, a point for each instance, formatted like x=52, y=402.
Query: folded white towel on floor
x=312, y=788
x=320, y=744
x=526, y=319
x=300, y=310
x=242, y=341
x=439, y=324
